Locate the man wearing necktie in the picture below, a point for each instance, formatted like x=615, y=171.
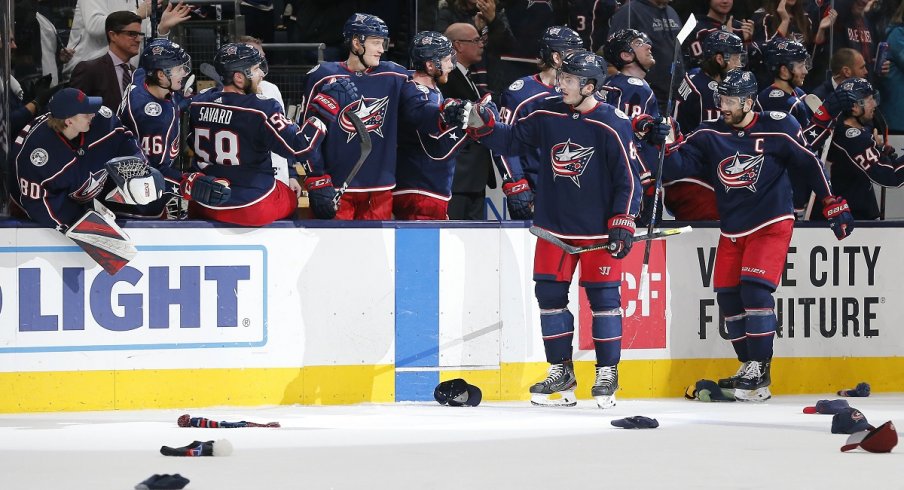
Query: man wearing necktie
x=108, y=75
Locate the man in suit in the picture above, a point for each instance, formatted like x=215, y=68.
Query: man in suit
x=474, y=164
x=108, y=75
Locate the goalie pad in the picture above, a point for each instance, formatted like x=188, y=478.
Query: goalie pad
x=137, y=183
x=103, y=240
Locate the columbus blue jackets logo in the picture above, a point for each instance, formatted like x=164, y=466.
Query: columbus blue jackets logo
x=740, y=171
x=372, y=113
x=91, y=188
x=570, y=160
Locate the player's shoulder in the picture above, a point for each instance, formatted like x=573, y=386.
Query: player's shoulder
x=393, y=67
x=778, y=122
x=852, y=136
x=609, y=114
x=143, y=103
x=261, y=103
x=703, y=81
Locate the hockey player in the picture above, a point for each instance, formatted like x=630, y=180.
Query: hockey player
x=379, y=83
x=747, y=155
x=692, y=198
x=233, y=131
x=857, y=160
x=718, y=19
x=588, y=170
x=151, y=110
x=522, y=97
x=426, y=160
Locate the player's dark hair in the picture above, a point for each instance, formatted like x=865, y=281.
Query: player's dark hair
x=118, y=20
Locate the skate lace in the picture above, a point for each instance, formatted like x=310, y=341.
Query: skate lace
x=556, y=373
x=742, y=369
x=605, y=375
x=752, y=371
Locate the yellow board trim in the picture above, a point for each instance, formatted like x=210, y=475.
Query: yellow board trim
x=338, y=385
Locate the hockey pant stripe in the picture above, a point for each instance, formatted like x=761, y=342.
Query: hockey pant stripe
x=557, y=327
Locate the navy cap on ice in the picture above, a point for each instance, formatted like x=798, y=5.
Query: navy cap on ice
x=71, y=101
x=828, y=407
x=456, y=393
x=848, y=421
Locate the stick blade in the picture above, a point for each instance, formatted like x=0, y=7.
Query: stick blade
x=687, y=28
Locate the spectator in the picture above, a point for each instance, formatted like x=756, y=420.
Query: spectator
x=473, y=166
x=718, y=17
x=603, y=10
x=893, y=84
x=661, y=24
x=259, y=20
x=21, y=112
x=855, y=31
x=846, y=63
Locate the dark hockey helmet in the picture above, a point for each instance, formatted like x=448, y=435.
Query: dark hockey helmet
x=724, y=43
x=857, y=89
x=163, y=54
x=621, y=42
x=590, y=67
x=237, y=57
x=782, y=52
x=736, y=83
x=363, y=26
x=559, y=39
x=429, y=46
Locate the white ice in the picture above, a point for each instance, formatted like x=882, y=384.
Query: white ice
x=427, y=446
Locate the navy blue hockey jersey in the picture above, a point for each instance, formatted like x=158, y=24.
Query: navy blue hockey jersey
x=55, y=179
x=634, y=97
x=749, y=167
x=587, y=173
x=856, y=163
x=522, y=97
x=426, y=159
x=694, y=102
x=773, y=98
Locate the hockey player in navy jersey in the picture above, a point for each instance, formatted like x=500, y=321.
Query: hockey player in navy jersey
x=789, y=63
x=692, y=198
x=151, y=110
x=857, y=159
x=233, y=131
x=522, y=97
x=379, y=83
x=587, y=191
x=426, y=159
x=747, y=156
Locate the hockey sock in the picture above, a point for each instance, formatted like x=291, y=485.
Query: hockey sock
x=732, y=309
x=557, y=327
x=607, y=334
x=760, y=323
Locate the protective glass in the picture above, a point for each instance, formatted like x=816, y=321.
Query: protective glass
x=740, y=57
x=567, y=80
x=385, y=41
x=728, y=102
x=808, y=62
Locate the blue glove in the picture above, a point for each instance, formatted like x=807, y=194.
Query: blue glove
x=321, y=193
x=621, y=233
x=333, y=97
x=841, y=221
x=654, y=131
x=204, y=189
x=520, y=199
x=452, y=114
x=836, y=104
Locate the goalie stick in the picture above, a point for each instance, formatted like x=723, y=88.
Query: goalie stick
x=365, y=151
x=203, y=422
x=644, y=289
x=574, y=249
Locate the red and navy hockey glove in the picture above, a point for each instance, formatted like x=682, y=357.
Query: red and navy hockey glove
x=621, y=233
x=841, y=221
x=333, y=97
x=520, y=199
x=204, y=189
x=835, y=105
x=482, y=118
x=452, y=114
x=321, y=194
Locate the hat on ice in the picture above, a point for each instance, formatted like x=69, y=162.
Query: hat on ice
x=828, y=407
x=636, y=422
x=848, y=421
x=457, y=393
x=707, y=390
x=879, y=440
x=861, y=390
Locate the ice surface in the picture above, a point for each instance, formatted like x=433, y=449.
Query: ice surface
x=427, y=446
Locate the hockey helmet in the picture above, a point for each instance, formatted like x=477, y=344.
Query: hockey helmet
x=363, y=26
x=430, y=46
x=559, y=39
x=782, y=52
x=586, y=65
x=622, y=42
x=736, y=83
x=724, y=43
x=163, y=54
x=237, y=57
x=857, y=89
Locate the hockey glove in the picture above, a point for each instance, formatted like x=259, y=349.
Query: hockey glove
x=482, y=118
x=452, y=114
x=204, y=189
x=621, y=233
x=836, y=104
x=520, y=199
x=841, y=221
x=650, y=129
x=321, y=193
x=333, y=97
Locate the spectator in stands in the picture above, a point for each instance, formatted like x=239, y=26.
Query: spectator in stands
x=893, y=83
x=259, y=20
x=89, y=37
x=661, y=24
x=603, y=10
x=855, y=31
x=21, y=112
x=846, y=63
x=717, y=18
x=473, y=165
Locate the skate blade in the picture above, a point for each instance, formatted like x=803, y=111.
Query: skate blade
x=758, y=395
x=566, y=399
x=605, y=401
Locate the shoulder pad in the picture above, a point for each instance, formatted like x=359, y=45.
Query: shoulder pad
x=105, y=111
x=516, y=85
x=776, y=93
x=778, y=116
x=852, y=132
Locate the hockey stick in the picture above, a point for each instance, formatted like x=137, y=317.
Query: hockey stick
x=573, y=249
x=814, y=104
x=210, y=72
x=206, y=423
x=685, y=31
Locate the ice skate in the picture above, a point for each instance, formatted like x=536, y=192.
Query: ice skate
x=753, y=385
x=604, y=387
x=560, y=380
x=731, y=381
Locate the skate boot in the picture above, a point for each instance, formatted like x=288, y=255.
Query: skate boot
x=561, y=380
x=731, y=381
x=753, y=385
x=606, y=384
